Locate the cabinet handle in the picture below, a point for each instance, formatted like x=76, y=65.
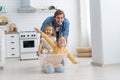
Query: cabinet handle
x=12, y=48
x=12, y=36
x=12, y=54
x=12, y=42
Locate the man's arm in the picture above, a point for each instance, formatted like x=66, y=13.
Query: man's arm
x=47, y=21
x=65, y=31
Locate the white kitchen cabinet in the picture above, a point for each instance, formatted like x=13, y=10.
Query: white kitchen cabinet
x=12, y=45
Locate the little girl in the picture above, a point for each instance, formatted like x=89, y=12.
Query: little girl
x=44, y=47
x=58, y=48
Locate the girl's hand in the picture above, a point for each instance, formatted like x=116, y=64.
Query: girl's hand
x=38, y=53
x=77, y=62
x=37, y=30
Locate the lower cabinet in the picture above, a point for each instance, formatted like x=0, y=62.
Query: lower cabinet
x=12, y=45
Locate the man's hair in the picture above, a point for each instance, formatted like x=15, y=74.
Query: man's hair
x=59, y=12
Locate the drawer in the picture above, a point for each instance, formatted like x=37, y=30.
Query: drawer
x=12, y=36
x=9, y=43
x=12, y=44
x=10, y=54
x=12, y=49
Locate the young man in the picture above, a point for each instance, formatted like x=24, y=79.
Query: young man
x=60, y=23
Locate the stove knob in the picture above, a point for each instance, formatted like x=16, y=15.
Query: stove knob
x=22, y=35
x=27, y=35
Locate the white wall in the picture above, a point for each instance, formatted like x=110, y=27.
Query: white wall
x=111, y=29
x=85, y=34
x=105, y=17
x=26, y=21
x=96, y=32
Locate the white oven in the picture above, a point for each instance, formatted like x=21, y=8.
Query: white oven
x=29, y=43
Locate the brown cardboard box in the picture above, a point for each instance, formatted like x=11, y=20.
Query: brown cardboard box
x=81, y=50
x=84, y=52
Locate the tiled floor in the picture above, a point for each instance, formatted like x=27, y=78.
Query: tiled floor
x=30, y=70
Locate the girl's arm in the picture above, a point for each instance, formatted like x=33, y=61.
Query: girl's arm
x=40, y=48
x=72, y=58
x=50, y=42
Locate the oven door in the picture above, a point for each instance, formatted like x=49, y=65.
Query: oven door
x=30, y=45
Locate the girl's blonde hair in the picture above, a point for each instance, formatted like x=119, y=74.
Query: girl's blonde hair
x=53, y=29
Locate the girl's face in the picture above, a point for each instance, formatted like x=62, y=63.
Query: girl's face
x=62, y=42
x=49, y=30
x=59, y=19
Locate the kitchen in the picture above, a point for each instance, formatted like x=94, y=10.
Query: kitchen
x=27, y=21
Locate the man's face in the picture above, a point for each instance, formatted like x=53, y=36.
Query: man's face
x=59, y=19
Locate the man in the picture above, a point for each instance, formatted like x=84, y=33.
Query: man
x=60, y=23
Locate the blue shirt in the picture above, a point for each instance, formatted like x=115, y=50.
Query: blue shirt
x=64, y=28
